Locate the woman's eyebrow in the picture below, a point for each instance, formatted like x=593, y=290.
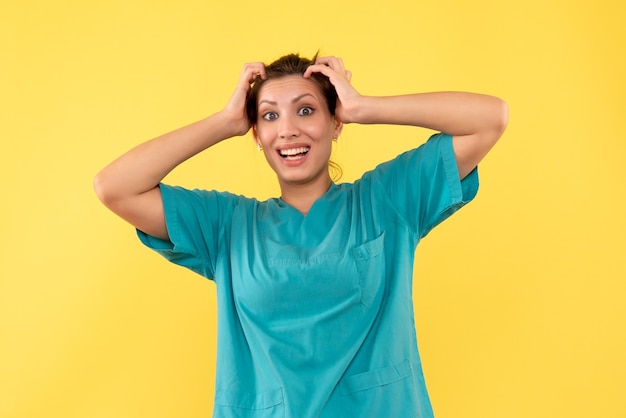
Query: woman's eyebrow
x=270, y=102
x=301, y=97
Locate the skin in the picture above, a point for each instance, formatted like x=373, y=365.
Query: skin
x=129, y=185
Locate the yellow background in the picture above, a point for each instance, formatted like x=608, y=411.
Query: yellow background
x=519, y=297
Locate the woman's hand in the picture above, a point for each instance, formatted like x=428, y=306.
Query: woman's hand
x=235, y=109
x=348, y=97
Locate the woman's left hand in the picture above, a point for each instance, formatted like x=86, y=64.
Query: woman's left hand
x=347, y=96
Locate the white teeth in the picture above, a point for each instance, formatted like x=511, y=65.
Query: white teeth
x=293, y=151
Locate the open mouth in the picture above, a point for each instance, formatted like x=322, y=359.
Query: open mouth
x=294, y=153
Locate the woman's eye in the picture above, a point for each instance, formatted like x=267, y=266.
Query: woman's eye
x=305, y=111
x=270, y=116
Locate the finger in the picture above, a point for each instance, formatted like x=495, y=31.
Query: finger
x=319, y=68
x=332, y=62
x=328, y=71
x=252, y=71
x=255, y=75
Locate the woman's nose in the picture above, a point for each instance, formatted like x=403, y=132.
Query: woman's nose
x=288, y=127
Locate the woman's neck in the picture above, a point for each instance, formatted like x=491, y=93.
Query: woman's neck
x=303, y=196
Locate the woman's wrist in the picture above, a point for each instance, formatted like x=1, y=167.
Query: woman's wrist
x=224, y=125
x=359, y=110
x=369, y=110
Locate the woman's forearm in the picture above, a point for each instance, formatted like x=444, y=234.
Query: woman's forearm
x=475, y=121
x=143, y=167
x=129, y=185
x=455, y=113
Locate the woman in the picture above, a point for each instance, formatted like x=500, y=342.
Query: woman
x=315, y=312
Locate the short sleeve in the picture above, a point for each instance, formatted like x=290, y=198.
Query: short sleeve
x=424, y=185
x=195, y=221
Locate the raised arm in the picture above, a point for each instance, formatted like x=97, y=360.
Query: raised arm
x=129, y=185
x=475, y=121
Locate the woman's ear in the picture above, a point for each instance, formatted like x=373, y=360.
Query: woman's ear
x=338, y=128
x=255, y=135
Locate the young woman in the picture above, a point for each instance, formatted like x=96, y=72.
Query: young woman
x=315, y=312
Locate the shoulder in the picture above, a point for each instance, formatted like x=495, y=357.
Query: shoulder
x=180, y=193
x=404, y=167
x=205, y=205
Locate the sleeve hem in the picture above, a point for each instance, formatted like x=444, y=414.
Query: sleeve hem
x=172, y=249
x=461, y=191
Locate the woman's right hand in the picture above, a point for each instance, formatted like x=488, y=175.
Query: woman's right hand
x=235, y=109
x=129, y=186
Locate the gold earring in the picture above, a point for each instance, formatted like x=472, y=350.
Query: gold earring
x=259, y=148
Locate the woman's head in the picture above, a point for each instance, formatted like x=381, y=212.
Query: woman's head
x=289, y=65
x=293, y=120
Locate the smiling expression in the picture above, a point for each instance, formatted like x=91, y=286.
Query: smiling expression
x=296, y=129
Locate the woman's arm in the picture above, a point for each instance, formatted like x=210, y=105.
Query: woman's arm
x=475, y=121
x=129, y=185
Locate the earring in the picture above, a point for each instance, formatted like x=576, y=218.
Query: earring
x=259, y=148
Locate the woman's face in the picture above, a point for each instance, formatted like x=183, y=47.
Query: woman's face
x=296, y=130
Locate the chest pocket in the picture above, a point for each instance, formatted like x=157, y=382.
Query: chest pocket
x=369, y=259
